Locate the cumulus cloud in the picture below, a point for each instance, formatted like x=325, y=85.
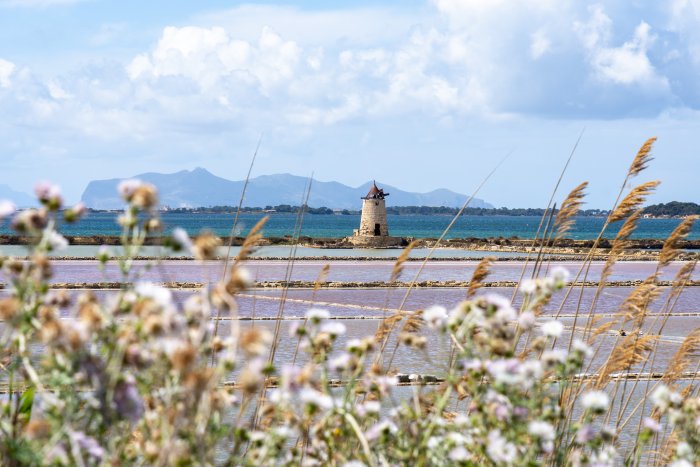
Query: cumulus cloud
x=626, y=64
x=6, y=70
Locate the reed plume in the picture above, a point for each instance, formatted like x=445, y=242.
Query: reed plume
x=633, y=200
x=670, y=250
x=642, y=159
x=634, y=307
x=386, y=326
x=569, y=208
x=322, y=277
x=621, y=243
x=628, y=352
x=480, y=273
x=403, y=257
x=686, y=354
x=252, y=240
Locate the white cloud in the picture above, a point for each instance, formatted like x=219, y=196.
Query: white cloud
x=539, y=44
x=626, y=64
x=6, y=70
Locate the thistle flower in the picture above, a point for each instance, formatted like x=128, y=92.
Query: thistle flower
x=552, y=328
x=181, y=240
x=334, y=328
x=56, y=242
x=435, y=317
x=526, y=320
x=30, y=220
x=499, y=449
x=127, y=188
x=205, y=245
x=316, y=315
x=49, y=195
x=104, y=254
x=595, y=401
x=75, y=213
x=255, y=341
x=651, y=425
x=158, y=294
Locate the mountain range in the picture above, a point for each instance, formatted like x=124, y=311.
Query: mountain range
x=20, y=199
x=201, y=188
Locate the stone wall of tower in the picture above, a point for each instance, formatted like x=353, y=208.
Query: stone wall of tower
x=373, y=212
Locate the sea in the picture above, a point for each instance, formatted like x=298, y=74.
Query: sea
x=338, y=226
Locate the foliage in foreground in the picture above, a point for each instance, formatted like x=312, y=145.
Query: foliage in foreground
x=139, y=378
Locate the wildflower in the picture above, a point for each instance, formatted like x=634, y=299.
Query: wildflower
x=651, y=425
x=205, y=245
x=144, y=196
x=681, y=463
x=499, y=449
x=252, y=378
x=684, y=451
x=158, y=294
x=56, y=241
x=354, y=464
x=75, y=213
x=7, y=208
x=340, y=363
x=127, y=188
x=181, y=240
x=542, y=430
x=89, y=445
x=315, y=315
x=595, y=401
x=30, y=220
x=526, y=320
x=604, y=456
x=553, y=357
x=316, y=399
x=585, y=434
x=381, y=429
x=127, y=399
x=528, y=286
x=435, y=317
x=552, y=328
x=37, y=429
x=333, y=328
x=255, y=341
x=104, y=254
x=458, y=454
x=582, y=348
x=240, y=279
x=663, y=398
x=49, y=195
x=9, y=307
x=560, y=276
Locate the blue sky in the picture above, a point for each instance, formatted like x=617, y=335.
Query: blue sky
x=418, y=94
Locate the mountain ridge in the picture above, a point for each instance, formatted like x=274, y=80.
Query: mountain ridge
x=201, y=188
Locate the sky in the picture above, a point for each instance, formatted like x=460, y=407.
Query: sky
x=416, y=94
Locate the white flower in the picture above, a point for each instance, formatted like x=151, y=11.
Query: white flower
x=317, y=314
x=158, y=294
x=182, y=239
x=370, y=407
x=528, y=286
x=683, y=450
x=552, y=328
x=663, y=398
x=56, y=241
x=353, y=345
x=7, y=208
x=334, y=328
x=541, y=430
x=458, y=454
x=681, y=463
x=579, y=346
x=434, y=442
x=340, y=363
x=383, y=427
x=126, y=188
x=596, y=401
x=354, y=464
x=499, y=449
x=526, y=320
x=554, y=356
x=46, y=191
x=315, y=398
x=560, y=275
x=651, y=424
x=435, y=317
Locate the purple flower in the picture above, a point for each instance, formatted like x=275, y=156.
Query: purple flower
x=128, y=400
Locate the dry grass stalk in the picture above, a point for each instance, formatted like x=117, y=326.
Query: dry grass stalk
x=670, y=250
x=686, y=354
x=403, y=257
x=683, y=276
x=569, y=208
x=480, y=273
x=322, y=276
x=643, y=157
x=252, y=240
x=620, y=243
x=629, y=351
x=635, y=305
x=603, y=328
x=386, y=326
x=633, y=200
x=414, y=322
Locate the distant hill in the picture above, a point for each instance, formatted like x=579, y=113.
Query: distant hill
x=672, y=209
x=20, y=199
x=201, y=188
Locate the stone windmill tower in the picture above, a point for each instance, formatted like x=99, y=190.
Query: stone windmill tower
x=374, y=230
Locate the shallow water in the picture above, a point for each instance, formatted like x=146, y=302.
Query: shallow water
x=342, y=271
